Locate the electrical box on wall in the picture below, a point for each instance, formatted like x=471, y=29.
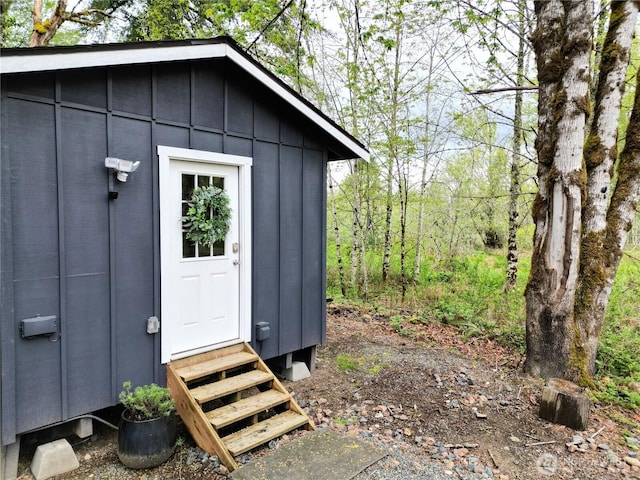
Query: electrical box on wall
x=36, y=326
x=263, y=331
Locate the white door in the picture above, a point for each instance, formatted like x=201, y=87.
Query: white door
x=200, y=285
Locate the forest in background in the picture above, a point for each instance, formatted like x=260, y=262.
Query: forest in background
x=437, y=225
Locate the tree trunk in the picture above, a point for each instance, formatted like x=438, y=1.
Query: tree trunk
x=392, y=139
x=355, y=223
x=404, y=200
x=336, y=231
x=514, y=187
x=43, y=31
x=602, y=241
x=423, y=189
x=562, y=42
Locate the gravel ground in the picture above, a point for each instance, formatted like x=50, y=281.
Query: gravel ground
x=417, y=395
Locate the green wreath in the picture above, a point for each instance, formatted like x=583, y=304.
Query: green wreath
x=208, y=217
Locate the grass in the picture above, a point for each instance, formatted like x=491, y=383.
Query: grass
x=467, y=292
x=346, y=363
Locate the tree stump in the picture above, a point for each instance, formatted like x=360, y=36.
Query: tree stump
x=563, y=403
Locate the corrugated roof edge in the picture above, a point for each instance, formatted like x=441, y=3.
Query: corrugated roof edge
x=18, y=60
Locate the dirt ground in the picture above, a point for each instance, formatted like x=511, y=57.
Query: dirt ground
x=441, y=398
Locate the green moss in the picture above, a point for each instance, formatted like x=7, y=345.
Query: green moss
x=592, y=271
x=578, y=44
x=539, y=208
x=42, y=27
x=558, y=100
x=551, y=71
x=579, y=360
x=583, y=104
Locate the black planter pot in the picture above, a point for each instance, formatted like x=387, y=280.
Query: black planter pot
x=147, y=443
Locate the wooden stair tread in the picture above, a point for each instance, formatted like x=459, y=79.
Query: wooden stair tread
x=255, y=435
x=227, y=386
x=199, y=370
x=223, y=416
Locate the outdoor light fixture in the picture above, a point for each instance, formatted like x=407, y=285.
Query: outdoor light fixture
x=121, y=167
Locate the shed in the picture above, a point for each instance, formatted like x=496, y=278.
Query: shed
x=98, y=283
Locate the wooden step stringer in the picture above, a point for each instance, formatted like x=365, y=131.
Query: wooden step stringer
x=228, y=376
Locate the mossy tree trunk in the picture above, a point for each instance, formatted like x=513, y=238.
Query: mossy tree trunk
x=562, y=42
x=581, y=228
x=44, y=30
x=604, y=225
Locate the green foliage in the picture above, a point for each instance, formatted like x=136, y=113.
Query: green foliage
x=618, y=356
x=467, y=292
x=208, y=216
x=616, y=393
x=347, y=363
x=146, y=402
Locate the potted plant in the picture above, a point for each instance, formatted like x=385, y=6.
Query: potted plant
x=147, y=434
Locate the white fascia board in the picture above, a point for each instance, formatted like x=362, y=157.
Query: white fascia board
x=295, y=102
x=103, y=58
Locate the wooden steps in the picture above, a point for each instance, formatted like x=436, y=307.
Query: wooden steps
x=231, y=402
x=262, y=432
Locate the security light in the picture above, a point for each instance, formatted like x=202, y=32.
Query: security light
x=122, y=167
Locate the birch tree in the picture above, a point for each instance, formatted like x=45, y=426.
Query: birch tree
x=47, y=21
x=582, y=212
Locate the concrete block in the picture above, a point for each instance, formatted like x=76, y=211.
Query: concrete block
x=298, y=371
x=53, y=458
x=83, y=427
x=9, y=460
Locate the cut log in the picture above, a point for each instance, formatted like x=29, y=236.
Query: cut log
x=563, y=403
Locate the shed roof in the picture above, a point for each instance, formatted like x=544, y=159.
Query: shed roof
x=41, y=59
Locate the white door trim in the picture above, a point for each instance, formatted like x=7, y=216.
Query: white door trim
x=165, y=155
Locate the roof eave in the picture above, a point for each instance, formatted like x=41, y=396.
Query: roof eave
x=88, y=58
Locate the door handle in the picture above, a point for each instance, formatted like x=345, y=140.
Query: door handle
x=236, y=261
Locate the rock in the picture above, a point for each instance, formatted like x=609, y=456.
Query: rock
x=634, y=387
x=460, y=452
x=418, y=439
x=612, y=457
x=481, y=415
x=577, y=439
x=603, y=446
x=448, y=464
x=632, y=454
x=632, y=441
x=514, y=439
x=634, y=462
x=223, y=470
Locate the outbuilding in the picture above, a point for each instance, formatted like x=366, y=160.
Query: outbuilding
x=102, y=146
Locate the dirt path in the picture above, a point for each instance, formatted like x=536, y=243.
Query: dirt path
x=433, y=398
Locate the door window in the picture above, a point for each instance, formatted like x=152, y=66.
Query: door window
x=192, y=249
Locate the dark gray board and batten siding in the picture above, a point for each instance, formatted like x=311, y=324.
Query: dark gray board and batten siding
x=67, y=250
